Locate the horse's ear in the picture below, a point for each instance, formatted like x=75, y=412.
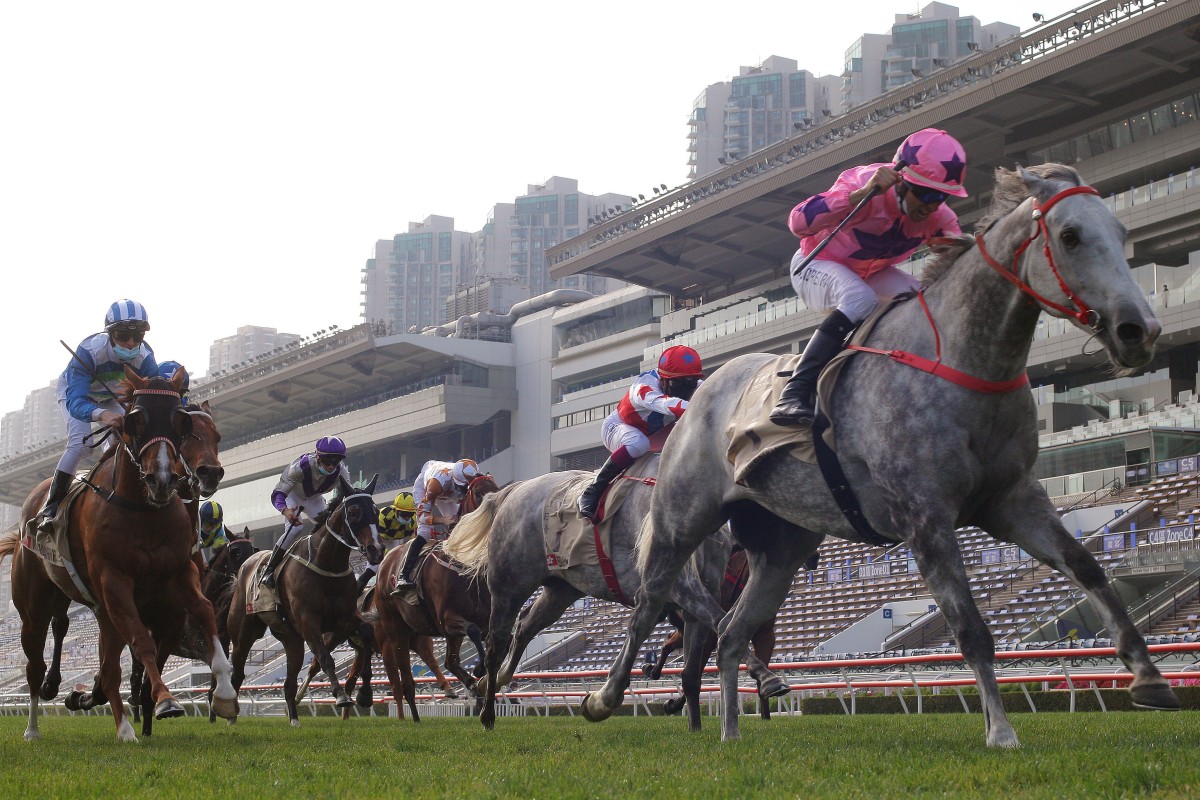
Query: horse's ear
x=178, y=378
x=181, y=421
x=135, y=380
x=371, y=486
x=1034, y=183
x=206, y=409
x=344, y=487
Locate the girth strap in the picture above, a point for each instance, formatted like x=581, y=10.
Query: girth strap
x=839, y=486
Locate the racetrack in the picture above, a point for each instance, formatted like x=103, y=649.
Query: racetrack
x=1085, y=755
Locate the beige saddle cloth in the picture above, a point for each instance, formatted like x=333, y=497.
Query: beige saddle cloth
x=750, y=432
x=571, y=539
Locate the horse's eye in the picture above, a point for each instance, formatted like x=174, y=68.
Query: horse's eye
x=1069, y=237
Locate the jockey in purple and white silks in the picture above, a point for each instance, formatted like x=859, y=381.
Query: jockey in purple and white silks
x=302, y=488
x=858, y=266
x=83, y=389
x=656, y=400
x=439, y=483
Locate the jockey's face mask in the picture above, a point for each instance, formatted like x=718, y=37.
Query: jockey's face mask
x=683, y=388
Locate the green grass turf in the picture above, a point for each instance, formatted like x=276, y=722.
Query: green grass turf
x=1086, y=755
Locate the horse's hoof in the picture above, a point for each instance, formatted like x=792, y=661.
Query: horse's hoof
x=167, y=709
x=590, y=714
x=295, y=723
x=225, y=708
x=1005, y=739
x=32, y=734
x=450, y=694
x=343, y=700
x=48, y=691
x=364, y=699
x=1155, y=697
x=774, y=686
x=72, y=701
x=125, y=732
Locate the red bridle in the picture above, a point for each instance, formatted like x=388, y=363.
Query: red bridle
x=1083, y=313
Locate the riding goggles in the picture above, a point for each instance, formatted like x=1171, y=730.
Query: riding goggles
x=127, y=333
x=925, y=194
x=329, y=461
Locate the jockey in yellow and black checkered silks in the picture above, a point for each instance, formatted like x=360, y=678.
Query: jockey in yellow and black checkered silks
x=397, y=523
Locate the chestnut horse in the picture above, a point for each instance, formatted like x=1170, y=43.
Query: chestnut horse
x=131, y=538
x=451, y=605
x=317, y=593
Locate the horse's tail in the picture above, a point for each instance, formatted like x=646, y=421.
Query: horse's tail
x=9, y=542
x=469, y=542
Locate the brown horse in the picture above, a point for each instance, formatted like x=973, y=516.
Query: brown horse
x=317, y=594
x=451, y=606
x=737, y=571
x=131, y=538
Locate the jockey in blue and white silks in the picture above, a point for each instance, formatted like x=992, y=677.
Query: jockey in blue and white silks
x=83, y=388
x=302, y=488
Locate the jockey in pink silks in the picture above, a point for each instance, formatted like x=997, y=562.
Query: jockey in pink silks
x=858, y=266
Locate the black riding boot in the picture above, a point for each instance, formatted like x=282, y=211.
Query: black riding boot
x=277, y=554
x=797, y=402
x=410, y=561
x=58, y=491
x=591, y=495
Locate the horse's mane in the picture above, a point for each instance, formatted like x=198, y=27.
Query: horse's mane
x=1010, y=191
x=324, y=516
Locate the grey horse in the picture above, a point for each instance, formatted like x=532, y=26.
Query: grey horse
x=503, y=540
x=924, y=454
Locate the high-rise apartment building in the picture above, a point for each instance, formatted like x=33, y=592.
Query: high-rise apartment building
x=761, y=106
x=37, y=422
x=517, y=235
x=407, y=283
x=248, y=343
x=767, y=103
x=918, y=45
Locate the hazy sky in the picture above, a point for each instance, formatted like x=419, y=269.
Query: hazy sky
x=232, y=163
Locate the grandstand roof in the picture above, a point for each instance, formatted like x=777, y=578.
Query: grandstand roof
x=727, y=232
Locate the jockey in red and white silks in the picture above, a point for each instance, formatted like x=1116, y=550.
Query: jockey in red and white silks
x=656, y=400
x=644, y=410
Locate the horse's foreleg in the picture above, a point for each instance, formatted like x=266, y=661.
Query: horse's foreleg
x=115, y=597
x=423, y=646
x=938, y=557
x=698, y=645
x=58, y=624
x=109, y=676
x=293, y=646
x=366, y=633
x=224, y=701
x=668, y=551
x=556, y=598
x=764, y=647
x=773, y=563
x=33, y=642
x=1030, y=521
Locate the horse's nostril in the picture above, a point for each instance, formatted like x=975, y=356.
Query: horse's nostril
x=1131, y=332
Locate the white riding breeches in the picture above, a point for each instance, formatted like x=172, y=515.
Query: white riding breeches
x=77, y=429
x=310, y=506
x=828, y=285
x=616, y=434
